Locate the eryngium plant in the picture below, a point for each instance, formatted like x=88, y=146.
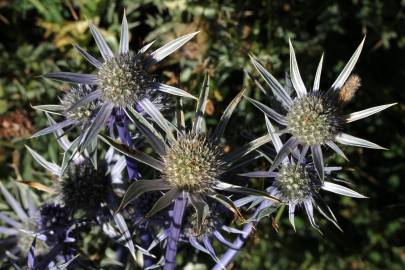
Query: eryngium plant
x=121, y=81
x=191, y=165
x=314, y=118
x=297, y=184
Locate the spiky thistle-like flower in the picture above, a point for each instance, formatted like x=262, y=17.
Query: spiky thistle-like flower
x=191, y=164
x=84, y=188
x=81, y=186
x=121, y=80
x=315, y=119
x=296, y=183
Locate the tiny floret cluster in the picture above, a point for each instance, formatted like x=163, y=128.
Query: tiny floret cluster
x=313, y=120
x=80, y=114
x=123, y=80
x=294, y=183
x=192, y=164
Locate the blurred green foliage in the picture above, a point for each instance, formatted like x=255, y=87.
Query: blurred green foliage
x=36, y=37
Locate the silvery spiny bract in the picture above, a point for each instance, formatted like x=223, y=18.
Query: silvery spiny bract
x=122, y=80
x=50, y=226
x=314, y=118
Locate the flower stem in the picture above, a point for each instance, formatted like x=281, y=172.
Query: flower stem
x=121, y=122
x=174, y=234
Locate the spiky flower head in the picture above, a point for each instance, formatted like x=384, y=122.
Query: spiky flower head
x=192, y=164
x=123, y=80
x=296, y=183
x=82, y=187
x=83, y=113
x=314, y=118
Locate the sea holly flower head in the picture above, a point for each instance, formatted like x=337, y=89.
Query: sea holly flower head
x=82, y=187
x=297, y=184
x=20, y=223
x=190, y=163
x=121, y=81
x=315, y=118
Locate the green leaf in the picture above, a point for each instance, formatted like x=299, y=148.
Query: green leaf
x=223, y=122
x=139, y=187
x=201, y=104
x=246, y=149
x=137, y=155
x=163, y=202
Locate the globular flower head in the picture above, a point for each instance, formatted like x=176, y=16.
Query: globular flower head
x=81, y=114
x=123, y=80
x=314, y=118
x=201, y=236
x=82, y=187
x=295, y=182
x=192, y=164
x=191, y=228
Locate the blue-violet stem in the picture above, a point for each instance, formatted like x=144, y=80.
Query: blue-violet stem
x=174, y=232
x=121, y=122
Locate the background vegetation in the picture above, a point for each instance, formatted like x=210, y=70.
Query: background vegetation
x=36, y=37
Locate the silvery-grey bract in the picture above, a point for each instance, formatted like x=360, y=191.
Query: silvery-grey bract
x=296, y=183
x=191, y=163
x=122, y=79
x=19, y=225
x=47, y=230
x=314, y=118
